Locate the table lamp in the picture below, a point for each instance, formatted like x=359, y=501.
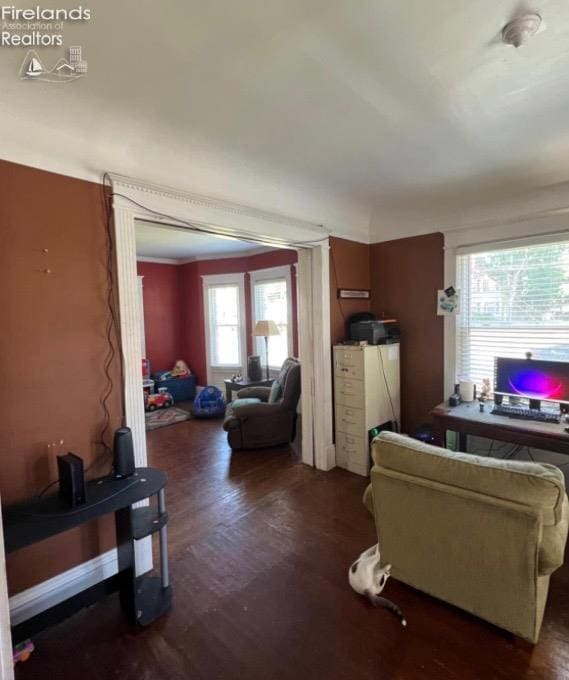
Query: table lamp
x=263, y=329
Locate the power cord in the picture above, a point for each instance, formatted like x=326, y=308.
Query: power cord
x=380, y=361
x=335, y=272
x=208, y=230
x=111, y=329
x=111, y=332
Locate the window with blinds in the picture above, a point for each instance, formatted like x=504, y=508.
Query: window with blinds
x=224, y=325
x=512, y=301
x=270, y=299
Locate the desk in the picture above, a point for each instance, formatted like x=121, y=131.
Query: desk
x=231, y=385
x=467, y=419
x=143, y=598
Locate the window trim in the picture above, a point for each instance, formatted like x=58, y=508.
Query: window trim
x=213, y=280
x=273, y=274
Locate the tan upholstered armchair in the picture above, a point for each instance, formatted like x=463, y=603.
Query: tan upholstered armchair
x=254, y=421
x=481, y=533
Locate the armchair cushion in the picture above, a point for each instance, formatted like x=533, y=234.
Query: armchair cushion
x=261, y=393
x=251, y=408
x=276, y=392
x=243, y=402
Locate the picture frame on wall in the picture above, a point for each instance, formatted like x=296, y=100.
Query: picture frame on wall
x=448, y=302
x=354, y=293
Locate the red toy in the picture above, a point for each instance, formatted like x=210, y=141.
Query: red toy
x=22, y=652
x=145, y=368
x=162, y=399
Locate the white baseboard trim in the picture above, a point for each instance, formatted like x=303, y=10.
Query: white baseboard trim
x=47, y=594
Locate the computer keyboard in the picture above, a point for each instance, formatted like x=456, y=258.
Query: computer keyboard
x=525, y=413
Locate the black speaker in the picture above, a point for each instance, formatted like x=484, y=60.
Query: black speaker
x=123, y=453
x=498, y=399
x=71, y=479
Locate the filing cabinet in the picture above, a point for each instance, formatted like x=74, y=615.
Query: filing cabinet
x=366, y=395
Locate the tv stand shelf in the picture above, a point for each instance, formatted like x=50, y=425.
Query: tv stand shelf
x=147, y=521
x=144, y=598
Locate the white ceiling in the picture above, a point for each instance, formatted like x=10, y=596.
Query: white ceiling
x=375, y=112
x=181, y=245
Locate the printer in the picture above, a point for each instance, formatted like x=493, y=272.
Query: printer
x=374, y=331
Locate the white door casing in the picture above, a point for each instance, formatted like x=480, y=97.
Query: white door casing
x=141, y=315
x=170, y=206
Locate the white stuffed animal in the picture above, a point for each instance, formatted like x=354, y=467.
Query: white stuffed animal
x=368, y=578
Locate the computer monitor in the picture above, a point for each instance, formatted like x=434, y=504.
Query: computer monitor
x=532, y=379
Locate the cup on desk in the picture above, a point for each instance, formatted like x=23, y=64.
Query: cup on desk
x=466, y=389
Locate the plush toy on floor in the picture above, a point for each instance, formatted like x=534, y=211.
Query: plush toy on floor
x=180, y=370
x=209, y=403
x=368, y=578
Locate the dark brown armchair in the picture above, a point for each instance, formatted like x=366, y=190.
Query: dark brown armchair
x=253, y=422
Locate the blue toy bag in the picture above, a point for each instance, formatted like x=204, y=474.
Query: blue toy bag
x=209, y=403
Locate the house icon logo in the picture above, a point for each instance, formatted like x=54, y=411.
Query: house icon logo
x=64, y=70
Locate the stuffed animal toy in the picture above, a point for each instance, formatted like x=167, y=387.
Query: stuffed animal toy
x=180, y=369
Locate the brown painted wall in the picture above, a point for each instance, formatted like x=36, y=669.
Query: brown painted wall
x=349, y=268
x=52, y=350
x=405, y=275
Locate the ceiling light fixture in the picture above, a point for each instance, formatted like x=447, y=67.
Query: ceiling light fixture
x=521, y=28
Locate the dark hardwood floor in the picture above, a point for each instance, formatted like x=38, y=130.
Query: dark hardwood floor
x=260, y=546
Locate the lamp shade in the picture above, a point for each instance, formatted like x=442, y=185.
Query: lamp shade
x=266, y=327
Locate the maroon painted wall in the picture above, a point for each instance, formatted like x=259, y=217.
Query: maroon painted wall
x=163, y=312
x=175, y=291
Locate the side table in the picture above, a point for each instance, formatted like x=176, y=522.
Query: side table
x=231, y=385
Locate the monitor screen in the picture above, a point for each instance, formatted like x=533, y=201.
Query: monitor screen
x=532, y=378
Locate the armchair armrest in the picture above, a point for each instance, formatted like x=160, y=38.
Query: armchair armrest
x=553, y=540
x=252, y=410
x=261, y=393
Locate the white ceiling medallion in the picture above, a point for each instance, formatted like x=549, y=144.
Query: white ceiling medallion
x=521, y=28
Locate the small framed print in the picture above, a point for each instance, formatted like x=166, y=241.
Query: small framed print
x=448, y=302
x=354, y=293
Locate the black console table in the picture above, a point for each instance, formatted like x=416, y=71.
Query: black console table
x=143, y=598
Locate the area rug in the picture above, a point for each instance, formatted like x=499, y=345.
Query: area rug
x=165, y=416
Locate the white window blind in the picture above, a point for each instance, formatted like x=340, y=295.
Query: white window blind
x=270, y=298
x=224, y=325
x=512, y=301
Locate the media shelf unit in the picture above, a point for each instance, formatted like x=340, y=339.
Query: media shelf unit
x=143, y=598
